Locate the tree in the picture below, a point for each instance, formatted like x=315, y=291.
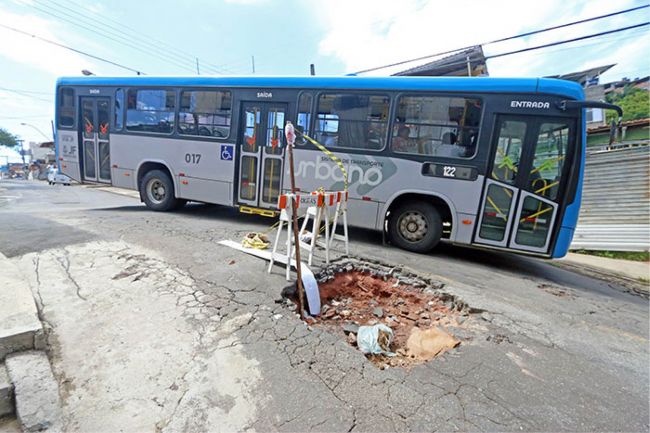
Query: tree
x=7, y=138
x=635, y=103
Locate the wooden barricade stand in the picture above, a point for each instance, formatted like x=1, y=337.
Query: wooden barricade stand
x=317, y=205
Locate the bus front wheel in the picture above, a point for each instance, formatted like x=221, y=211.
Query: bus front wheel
x=415, y=226
x=157, y=190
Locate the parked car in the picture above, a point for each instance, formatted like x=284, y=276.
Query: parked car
x=54, y=177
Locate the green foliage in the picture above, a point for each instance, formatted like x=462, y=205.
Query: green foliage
x=7, y=138
x=637, y=256
x=635, y=103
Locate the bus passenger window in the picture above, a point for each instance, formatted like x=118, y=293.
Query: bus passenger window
x=352, y=121
x=437, y=126
x=304, y=117
x=205, y=113
x=66, y=107
x=150, y=110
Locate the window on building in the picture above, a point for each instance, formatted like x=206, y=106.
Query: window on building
x=352, y=121
x=437, y=126
x=304, y=116
x=205, y=113
x=150, y=110
x=66, y=107
x=594, y=115
x=119, y=109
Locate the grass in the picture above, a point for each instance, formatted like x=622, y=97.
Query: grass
x=637, y=256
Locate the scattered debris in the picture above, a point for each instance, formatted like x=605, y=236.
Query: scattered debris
x=429, y=343
x=358, y=294
x=498, y=338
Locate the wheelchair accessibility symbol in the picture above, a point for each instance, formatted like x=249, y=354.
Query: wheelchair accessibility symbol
x=226, y=152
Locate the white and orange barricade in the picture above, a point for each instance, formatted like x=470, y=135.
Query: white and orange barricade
x=317, y=206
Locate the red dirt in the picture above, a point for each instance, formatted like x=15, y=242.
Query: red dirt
x=353, y=296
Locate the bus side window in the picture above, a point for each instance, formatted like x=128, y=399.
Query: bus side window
x=352, y=121
x=304, y=116
x=437, y=126
x=66, y=107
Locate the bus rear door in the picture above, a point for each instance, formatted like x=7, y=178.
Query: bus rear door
x=261, y=154
x=95, y=141
x=525, y=183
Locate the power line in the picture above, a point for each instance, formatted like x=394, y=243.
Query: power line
x=101, y=59
x=99, y=31
x=503, y=39
x=145, y=39
x=28, y=91
x=464, y=62
x=25, y=94
x=568, y=40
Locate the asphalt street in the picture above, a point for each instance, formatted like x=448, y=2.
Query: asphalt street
x=154, y=325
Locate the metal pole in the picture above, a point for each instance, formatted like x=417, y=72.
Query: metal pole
x=197, y=67
x=253, y=63
x=312, y=69
x=291, y=137
x=469, y=67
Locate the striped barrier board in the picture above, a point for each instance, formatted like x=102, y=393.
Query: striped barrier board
x=314, y=199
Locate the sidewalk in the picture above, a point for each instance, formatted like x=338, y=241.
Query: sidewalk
x=636, y=272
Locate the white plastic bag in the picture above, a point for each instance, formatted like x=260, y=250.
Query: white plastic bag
x=369, y=342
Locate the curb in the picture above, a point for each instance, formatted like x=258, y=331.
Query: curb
x=631, y=285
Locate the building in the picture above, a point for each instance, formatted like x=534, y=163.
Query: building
x=42, y=152
x=466, y=63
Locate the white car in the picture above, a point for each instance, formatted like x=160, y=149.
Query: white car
x=54, y=177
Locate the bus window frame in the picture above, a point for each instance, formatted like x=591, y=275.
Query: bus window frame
x=179, y=92
x=371, y=92
x=420, y=156
x=173, y=132
x=312, y=111
x=59, y=99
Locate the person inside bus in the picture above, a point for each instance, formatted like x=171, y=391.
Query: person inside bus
x=402, y=142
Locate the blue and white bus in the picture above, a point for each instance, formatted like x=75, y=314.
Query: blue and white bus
x=487, y=162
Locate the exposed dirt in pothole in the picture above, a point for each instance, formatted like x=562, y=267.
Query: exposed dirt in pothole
x=426, y=322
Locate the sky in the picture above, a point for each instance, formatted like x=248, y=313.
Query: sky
x=165, y=37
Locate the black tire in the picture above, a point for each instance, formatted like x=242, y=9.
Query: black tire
x=157, y=191
x=415, y=226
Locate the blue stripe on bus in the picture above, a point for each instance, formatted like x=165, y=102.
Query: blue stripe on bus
x=570, y=219
x=470, y=84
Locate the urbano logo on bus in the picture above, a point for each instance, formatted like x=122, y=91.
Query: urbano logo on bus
x=530, y=104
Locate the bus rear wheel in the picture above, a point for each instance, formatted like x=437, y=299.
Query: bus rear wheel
x=157, y=190
x=415, y=226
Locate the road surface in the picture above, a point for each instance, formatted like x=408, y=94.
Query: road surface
x=155, y=325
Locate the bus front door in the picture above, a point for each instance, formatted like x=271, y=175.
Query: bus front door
x=261, y=154
x=95, y=151
x=525, y=183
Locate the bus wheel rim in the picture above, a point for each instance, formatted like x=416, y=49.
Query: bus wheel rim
x=413, y=226
x=156, y=191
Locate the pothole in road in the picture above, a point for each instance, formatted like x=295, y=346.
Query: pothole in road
x=425, y=321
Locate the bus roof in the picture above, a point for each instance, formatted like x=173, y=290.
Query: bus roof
x=563, y=88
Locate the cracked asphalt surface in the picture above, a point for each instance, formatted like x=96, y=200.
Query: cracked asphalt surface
x=152, y=328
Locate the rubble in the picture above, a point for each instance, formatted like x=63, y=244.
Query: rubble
x=424, y=320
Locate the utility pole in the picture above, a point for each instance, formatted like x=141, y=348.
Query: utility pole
x=197, y=67
x=312, y=69
x=253, y=62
